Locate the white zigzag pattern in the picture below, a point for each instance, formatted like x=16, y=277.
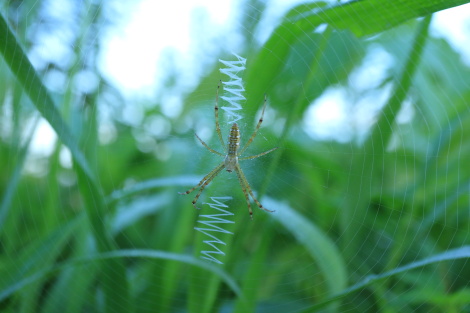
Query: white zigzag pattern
x=212, y=223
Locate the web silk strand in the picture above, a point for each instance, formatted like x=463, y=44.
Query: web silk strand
x=212, y=222
x=233, y=88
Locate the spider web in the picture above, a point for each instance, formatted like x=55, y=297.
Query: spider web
x=371, y=188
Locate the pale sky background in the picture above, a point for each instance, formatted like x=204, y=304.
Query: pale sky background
x=128, y=40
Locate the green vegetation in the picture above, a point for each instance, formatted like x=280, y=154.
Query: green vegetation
x=377, y=223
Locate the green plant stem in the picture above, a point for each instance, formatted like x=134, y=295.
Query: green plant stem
x=295, y=111
x=370, y=158
x=383, y=130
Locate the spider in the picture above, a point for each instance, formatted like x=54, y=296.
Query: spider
x=231, y=158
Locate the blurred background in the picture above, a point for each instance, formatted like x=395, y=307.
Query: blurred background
x=370, y=113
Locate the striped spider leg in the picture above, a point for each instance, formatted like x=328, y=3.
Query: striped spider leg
x=231, y=158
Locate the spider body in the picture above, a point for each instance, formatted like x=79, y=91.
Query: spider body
x=231, y=158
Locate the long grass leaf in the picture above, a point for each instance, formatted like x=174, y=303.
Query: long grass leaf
x=27, y=76
x=35, y=258
x=114, y=281
x=120, y=254
x=294, y=111
x=450, y=255
x=383, y=129
x=320, y=247
x=362, y=188
x=7, y=196
x=363, y=17
x=248, y=302
x=152, y=184
x=366, y=17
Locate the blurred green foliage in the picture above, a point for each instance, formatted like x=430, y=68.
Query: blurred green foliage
x=376, y=223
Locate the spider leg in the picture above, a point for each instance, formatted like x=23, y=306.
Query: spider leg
x=246, y=187
x=207, y=147
x=243, y=185
x=214, y=172
x=258, y=155
x=216, y=109
x=207, y=177
x=256, y=129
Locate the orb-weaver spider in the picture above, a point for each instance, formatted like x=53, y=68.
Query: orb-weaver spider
x=230, y=162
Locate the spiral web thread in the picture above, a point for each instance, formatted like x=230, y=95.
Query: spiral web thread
x=233, y=88
x=212, y=221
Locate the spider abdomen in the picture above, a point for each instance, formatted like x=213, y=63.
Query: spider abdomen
x=233, y=140
x=231, y=159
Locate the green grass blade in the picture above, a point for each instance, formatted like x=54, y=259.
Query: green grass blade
x=35, y=258
x=151, y=184
x=269, y=62
x=167, y=272
x=120, y=254
x=363, y=17
x=79, y=281
x=7, y=196
x=367, y=17
x=363, y=188
x=450, y=255
x=383, y=129
x=113, y=272
x=27, y=76
x=248, y=302
x=114, y=279
x=318, y=244
x=294, y=111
